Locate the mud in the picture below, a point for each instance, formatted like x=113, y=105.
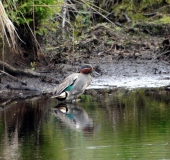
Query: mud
x=133, y=74
x=129, y=61
x=123, y=73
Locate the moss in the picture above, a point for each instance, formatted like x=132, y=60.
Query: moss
x=135, y=10
x=164, y=9
x=165, y=19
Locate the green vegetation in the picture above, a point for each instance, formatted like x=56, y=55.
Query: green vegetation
x=136, y=10
x=36, y=14
x=165, y=19
x=33, y=65
x=69, y=22
x=31, y=13
x=31, y=18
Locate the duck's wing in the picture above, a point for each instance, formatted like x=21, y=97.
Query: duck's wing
x=66, y=83
x=81, y=84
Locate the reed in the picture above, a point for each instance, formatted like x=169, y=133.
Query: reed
x=7, y=28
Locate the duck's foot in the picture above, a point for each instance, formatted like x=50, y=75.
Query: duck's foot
x=72, y=101
x=76, y=100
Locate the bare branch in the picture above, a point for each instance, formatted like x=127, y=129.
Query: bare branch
x=64, y=18
x=97, y=12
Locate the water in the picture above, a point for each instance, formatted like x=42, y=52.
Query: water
x=112, y=124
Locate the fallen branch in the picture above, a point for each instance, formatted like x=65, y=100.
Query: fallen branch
x=22, y=88
x=149, y=14
x=15, y=72
x=14, y=78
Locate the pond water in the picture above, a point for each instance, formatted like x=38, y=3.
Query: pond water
x=105, y=125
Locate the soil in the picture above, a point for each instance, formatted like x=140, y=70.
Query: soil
x=127, y=57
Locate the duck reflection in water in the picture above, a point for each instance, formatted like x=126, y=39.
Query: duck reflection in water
x=74, y=116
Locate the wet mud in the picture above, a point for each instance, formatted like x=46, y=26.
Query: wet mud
x=116, y=74
x=122, y=59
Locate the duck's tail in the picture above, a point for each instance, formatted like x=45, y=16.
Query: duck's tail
x=61, y=96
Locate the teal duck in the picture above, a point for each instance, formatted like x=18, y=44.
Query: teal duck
x=74, y=85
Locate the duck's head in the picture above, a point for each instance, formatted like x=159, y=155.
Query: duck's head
x=86, y=69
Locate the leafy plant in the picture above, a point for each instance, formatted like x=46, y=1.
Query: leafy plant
x=30, y=12
x=33, y=65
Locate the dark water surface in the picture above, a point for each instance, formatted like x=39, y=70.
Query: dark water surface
x=118, y=124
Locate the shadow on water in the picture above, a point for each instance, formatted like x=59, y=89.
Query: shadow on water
x=105, y=124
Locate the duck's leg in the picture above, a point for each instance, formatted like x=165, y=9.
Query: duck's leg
x=76, y=99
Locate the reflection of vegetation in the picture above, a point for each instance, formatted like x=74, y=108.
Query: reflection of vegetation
x=126, y=124
x=134, y=120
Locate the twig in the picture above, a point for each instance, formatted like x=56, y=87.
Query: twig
x=97, y=12
x=118, y=24
x=163, y=53
x=3, y=54
x=64, y=18
x=127, y=17
x=107, y=50
x=109, y=14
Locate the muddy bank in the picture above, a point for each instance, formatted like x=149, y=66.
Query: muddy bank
x=133, y=74
x=129, y=58
x=115, y=74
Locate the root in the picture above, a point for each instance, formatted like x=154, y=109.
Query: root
x=18, y=72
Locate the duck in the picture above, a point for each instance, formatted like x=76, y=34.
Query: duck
x=74, y=85
x=74, y=116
